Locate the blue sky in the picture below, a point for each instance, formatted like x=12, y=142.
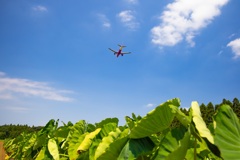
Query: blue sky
x=55, y=62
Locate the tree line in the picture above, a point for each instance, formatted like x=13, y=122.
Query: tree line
x=12, y=131
x=207, y=111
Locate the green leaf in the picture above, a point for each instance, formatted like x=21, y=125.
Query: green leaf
x=130, y=122
x=106, y=141
x=199, y=123
x=174, y=145
x=156, y=120
x=114, y=148
x=53, y=149
x=106, y=121
x=62, y=132
x=137, y=148
x=41, y=154
x=75, y=137
x=28, y=145
x=50, y=128
x=40, y=141
x=185, y=121
x=44, y=154
x=86, y=143
x=107, y=128
x=227, y=133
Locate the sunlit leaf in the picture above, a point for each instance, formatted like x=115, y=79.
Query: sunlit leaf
x=53, y=149
x=156, y=120
x=44, y=154
x=75, y=138
x=41, y=154
x=28, y=145
x=88, y=139
x=106, y=121
x=106, y=141
x=107, y=128
x=227, y=133
x=114, y=148
x=199, y=123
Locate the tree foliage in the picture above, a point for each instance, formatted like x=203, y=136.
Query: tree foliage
x=12, y=131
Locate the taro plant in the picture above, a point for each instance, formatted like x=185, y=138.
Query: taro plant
x=143, y=138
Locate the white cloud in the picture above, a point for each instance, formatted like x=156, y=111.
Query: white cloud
x=14, y=87
x=235, y=46
x=132, y=1
x=183, y=19
x=150, y=105
x=128, y=19
x=40, y=8
x=104, y=20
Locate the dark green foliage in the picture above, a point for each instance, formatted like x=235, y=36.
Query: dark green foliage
x=12, y=131
x=209, y=110
x=236, y=107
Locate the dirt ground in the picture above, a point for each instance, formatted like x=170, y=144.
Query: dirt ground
x=2, y=151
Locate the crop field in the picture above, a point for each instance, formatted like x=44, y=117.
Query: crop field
x=2, y=151
x=166, y=132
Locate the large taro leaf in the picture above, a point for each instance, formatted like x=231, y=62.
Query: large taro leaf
x=53, y=148
x=106, y=121
x=198, y=150
x=23, y=147
x=137, y=149
x=41, y=154
x=107, y=128
x=75, y=137
x=44, y=154
x=174, y=145
x=156, y=120
x=201, y=129
x=227, y=133
x=200, y=125
x=73, y=146
x=28, y=145
x=111, y=145
x=106, y=141
x=40, y=141
x=111, y=149
x=88, y=139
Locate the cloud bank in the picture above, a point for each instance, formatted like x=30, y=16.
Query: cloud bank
x=235, y=46
x=183, y=19
x=11, y=88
